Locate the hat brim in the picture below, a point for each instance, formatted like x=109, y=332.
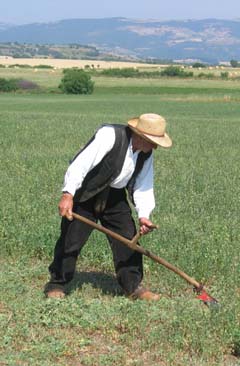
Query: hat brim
x=163, y=141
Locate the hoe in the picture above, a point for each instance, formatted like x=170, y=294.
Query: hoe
x=197, y=287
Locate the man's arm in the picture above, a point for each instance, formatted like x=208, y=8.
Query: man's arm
x=84, y=162
x=144, y=196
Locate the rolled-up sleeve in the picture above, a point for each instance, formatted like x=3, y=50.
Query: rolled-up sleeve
x=143, y=194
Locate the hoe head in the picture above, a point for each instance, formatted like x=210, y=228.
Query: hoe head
x=202, y=295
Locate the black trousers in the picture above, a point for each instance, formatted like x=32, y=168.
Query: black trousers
x=117, y=217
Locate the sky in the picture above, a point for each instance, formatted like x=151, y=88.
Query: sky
x=30, y=11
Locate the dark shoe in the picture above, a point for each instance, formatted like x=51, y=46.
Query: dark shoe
x=144, y=294
x=56, y=293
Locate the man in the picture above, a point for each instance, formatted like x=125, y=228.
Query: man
x=118, y=159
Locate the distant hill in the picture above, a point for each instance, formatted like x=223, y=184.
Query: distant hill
x=208, y=40
x=27, y=50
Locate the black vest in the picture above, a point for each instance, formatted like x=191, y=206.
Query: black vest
x=100, y=177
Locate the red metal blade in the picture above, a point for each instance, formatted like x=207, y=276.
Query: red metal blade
x=206, y=298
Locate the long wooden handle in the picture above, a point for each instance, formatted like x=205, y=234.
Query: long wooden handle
x=133, y=245
x=105, y=230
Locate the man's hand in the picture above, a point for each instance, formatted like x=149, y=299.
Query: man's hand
x=65, y=206
x=145, y=225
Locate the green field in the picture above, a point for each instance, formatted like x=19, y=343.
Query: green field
x=197, y=190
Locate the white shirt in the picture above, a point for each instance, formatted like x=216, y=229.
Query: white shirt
x=104, y=140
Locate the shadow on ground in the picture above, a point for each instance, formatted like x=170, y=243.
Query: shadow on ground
x=107, y=283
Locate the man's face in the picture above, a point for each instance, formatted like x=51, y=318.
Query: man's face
x=142, y=144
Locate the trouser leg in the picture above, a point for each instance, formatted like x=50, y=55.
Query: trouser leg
x=128, y=263
x=74, y=235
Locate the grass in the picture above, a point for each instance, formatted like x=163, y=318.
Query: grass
x=197, y=195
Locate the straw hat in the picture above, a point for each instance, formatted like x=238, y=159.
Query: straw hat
x=152, y=127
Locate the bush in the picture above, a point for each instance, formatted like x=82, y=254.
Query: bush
x=209, y=75
x=131, y=72
x=198, y=64
x=76, y=81
x=8, y=85
x=224, y=75
x=234, y=63
x=44, y=67
x=176, y=71
x=20, y=66
x=127, y=72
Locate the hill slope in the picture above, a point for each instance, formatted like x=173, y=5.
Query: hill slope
x=209, y=40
